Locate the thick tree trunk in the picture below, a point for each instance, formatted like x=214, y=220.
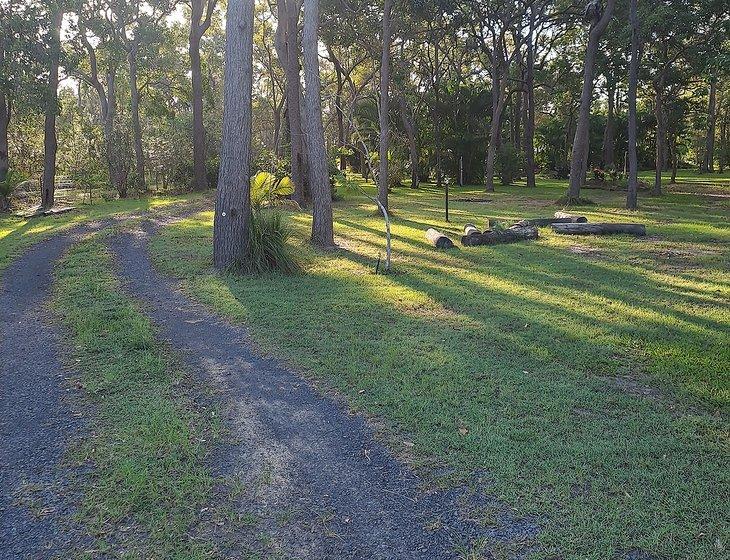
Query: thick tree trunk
x=660, y=134
x=50, y=143
x=287, y=49
x=233, y=201
x=633, y=185
x=579, y=155
x=200, y=180
x=136, y=126
x=5, y=114
x=608, y=132
x=410, y=128
x=709, y=165
x=322, y=229
x=384, y=106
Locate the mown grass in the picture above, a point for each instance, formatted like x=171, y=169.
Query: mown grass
x=146, y=448
x=17, y=234
x=587, y=377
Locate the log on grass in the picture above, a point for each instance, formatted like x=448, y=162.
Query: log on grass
x=438, y=239
x=570, y=218
x=494, y=237
x=471, y=229
x=599, y=229
x=542, y=222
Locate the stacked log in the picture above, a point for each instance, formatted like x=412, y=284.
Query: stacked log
x=599, y=229
x=494, y=237
x=471, y=229
x=570, y=218
x=438, y=239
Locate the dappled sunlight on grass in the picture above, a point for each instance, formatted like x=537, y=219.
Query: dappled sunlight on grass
x=585, y=369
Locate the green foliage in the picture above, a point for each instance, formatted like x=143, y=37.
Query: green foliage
x=509, y=163
x=267, y=187
x=397, y=173
x=12, y=179
x=268, y=247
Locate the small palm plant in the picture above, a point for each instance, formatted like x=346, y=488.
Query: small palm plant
x=7, y=186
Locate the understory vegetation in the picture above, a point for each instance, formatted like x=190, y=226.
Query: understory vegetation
x=583, y=381
x=147, y=449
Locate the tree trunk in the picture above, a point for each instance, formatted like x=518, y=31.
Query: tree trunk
x=660, y=134
x=200, y=180
x=50, y=143
x=579, y=155
x=710, y=140
x=287, y=48
x=384, y=106
x=322, y=229
x=722, y=156
x=136, y=126
x=633, y=185
x=233, y=200
x=530, y=106
x=516, y=117
x=498, y=104
x=608, y=133
x=410, y=128
x=5, y=113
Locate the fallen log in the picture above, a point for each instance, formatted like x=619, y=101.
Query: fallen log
x=438, y=239
x=471, y=229
x=494, y=237
x=599, y=229
x=571, y=218
x=542, y=222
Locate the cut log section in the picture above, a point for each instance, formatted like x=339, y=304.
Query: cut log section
x=599, y=229
x=438, y=239
x=509, y=235
x=471, y=229
x=542, y=222
x=570, y=218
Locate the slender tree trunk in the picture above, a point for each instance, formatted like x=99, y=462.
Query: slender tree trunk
x=384, y=106
x=722, y=156
x=5, y=113
x=530, y=105
x=516, y=118
x=579, y=156
x=200, y=179
x=410, y=129
x=50, y=143
x=136, y=126
x=709, y=165
x=322, y=229
x=233, y=200
x=608, y=132
x=287, y=48
x=674, y=157
x=499, y=101
x=633, y=186
x=660, y=135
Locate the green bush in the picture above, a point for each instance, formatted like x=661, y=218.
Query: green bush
x=509, y=163
x=7, y=186
x=268, y=248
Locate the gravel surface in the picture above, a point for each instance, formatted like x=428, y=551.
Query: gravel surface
x=37, y=415
x=311, y=473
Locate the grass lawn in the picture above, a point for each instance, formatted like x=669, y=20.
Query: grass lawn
x=147, y=438
x=16, y=234
x=585, y=379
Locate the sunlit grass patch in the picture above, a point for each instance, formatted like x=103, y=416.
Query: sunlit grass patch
x=146, y=451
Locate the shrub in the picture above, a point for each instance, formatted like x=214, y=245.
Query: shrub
x=397, y=173
x=7, y=186
x=268, y=248
x=509, y=163
x=267, y=187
